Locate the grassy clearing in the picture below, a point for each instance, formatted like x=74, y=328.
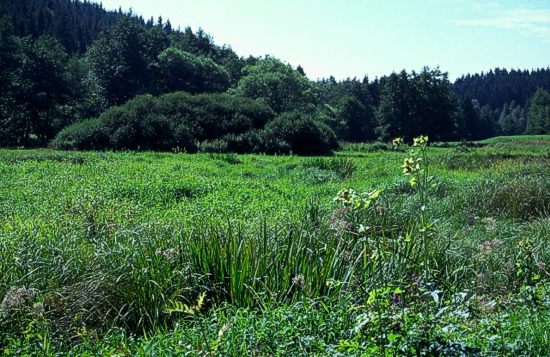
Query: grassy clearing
x=142, y=253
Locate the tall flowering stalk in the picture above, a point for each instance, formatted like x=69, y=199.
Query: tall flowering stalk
x=416, y=166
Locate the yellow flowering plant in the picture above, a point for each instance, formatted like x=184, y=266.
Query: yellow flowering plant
x=397, y=142
x=350, y=198
x=416, y=166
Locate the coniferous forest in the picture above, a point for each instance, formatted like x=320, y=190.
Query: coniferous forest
x=75, y=75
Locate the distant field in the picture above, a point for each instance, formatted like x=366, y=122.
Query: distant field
x=139, y=253
x=518, y=138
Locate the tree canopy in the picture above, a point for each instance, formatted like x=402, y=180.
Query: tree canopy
x=63, y=62
x=277, y=84
x=538, y=117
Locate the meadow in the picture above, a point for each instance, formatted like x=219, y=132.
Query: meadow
x=360, y=253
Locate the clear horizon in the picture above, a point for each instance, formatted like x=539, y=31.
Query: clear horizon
x=355, y=38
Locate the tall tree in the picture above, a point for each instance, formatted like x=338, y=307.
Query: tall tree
x=176, y=70
x=469, y=119
x=419, y=103
x=512, y=120
x=486, y=126
x=500, y=86
x=358, y=120
x=434, y=107
x=394, y=115
x=74, y=23
x=538, y=116
x=11, y=118
x=45, y=87
x=278, y=84
x=118, y=60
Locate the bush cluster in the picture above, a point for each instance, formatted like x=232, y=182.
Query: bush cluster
x=206, y=122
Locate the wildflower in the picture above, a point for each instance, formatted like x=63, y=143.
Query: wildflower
x=224, y=328
x=415, y=280
x=39, y=309
x=169, y=254
x=299, y=280
x=421, y=141
x=410, y=166
x=397, y=142
x=345, y=196
x=17, y=298
x=487, y=247
x=339, y=220
x=490, y=224
x=542, y=267
x=396, y=299
x=348, y=197
x=482, y=278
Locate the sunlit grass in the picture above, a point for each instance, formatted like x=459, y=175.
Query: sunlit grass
x=111, y=243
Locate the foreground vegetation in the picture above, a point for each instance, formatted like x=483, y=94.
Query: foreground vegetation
x=107, y=253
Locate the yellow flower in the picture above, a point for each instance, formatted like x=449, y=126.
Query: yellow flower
x=410, y=166
x=422, y=140
x=397, y=141
x=345, y=196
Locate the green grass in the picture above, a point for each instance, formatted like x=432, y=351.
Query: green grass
x=112, y=242
x=517, y=138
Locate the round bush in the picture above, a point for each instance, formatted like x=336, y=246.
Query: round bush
x=303, y=134
x=85, y=135
x=184, y=139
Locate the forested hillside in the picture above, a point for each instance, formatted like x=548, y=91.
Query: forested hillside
x=500, y=86
x=75, y=24
x=64, y=63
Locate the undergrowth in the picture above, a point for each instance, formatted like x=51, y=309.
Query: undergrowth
x=216, y=254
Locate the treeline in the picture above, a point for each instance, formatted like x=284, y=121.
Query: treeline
x=103, y=81
x=499, y=87
x=75, y=24
x=505, y=99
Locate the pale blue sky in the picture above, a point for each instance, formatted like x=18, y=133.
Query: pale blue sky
x=348, y=38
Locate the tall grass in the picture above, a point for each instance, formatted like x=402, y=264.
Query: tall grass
x=109, y=244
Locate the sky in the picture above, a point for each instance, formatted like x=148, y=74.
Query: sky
x=354, y=38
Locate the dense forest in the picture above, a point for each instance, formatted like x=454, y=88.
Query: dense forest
x=76, y=76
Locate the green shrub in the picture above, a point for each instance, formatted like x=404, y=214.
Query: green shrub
x=84, y=135
x=242, y=143
x=173, y=122
x=149, y=133
x=304, y=135
x=184, y=140
x=138, y=125
x=211, y=116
